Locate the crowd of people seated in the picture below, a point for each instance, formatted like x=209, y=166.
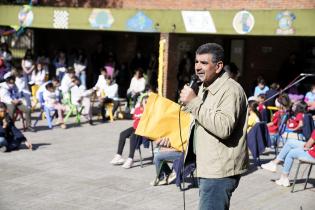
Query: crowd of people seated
x=57, y=87
x=27, y=88
x=289, y=114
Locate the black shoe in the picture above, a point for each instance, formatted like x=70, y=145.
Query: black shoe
x=30, y=129
x=91, y=122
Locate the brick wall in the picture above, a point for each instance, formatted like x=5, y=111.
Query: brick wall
x=185, y=4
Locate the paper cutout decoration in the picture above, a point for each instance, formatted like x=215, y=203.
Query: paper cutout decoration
x=198, y=21
x=140, y=22
x=243, y=22
x=101, y=18
x=61, y=19
x=26, y=16
x=285, y=21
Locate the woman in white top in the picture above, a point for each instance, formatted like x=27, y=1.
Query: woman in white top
x=101, y=84
x=28, y=65
x=38, y=75
x=137, y=86
x=37, y=79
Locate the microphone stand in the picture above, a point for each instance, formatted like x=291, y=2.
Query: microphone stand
x=294, y=82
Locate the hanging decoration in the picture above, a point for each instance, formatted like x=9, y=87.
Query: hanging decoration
x=61, y=19
x=26, y=16
x=140, y=22
x=101, y=18
x=285, y=22
x=243, y=22
x=25, y=19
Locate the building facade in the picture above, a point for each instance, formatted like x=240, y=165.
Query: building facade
x=260, y=37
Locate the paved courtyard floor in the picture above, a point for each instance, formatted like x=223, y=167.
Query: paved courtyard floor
x=69, y=169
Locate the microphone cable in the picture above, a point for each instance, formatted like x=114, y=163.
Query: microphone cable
x=183, y=165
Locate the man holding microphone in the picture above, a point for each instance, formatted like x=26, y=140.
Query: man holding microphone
x=219, y=128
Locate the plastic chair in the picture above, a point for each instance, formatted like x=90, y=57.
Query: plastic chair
x=146, y=144
x=281, y=130
x=310, y=164
x=18, y=114
x=109, y=109
x=73, y=109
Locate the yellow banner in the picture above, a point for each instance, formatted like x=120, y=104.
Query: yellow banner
x=161, y=119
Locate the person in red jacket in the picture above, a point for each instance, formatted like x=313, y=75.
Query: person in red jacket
x=129, y=133
x=295, y=122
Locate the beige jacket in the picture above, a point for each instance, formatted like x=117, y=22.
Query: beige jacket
x=220, y=129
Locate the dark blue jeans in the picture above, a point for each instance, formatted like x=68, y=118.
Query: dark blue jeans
x=215, y=194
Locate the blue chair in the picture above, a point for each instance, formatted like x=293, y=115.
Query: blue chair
x=146, y=144
x=278, y=137
x=258, y=139
x=307, y=128
x=46, y=110
x=310, y=165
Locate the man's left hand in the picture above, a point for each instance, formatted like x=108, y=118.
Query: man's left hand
x=187, y=94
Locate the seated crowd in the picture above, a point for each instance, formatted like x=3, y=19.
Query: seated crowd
x=24, y=90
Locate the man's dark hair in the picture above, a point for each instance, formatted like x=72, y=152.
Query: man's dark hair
x=214, y=49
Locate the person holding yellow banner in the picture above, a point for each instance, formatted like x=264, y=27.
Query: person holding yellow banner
x=218, y=129
x=165, y=153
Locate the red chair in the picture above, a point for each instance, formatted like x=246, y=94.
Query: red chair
x=18, y=115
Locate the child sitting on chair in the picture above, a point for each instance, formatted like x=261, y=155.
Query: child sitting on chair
x=129, y=133
x=80, y=97
x=284, y=105
x=52, y=102
x=10, y=137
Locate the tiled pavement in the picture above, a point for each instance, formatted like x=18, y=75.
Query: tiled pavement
x=69, y=169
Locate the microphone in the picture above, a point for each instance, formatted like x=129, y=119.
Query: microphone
x=307, y=75
x=194, y=83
